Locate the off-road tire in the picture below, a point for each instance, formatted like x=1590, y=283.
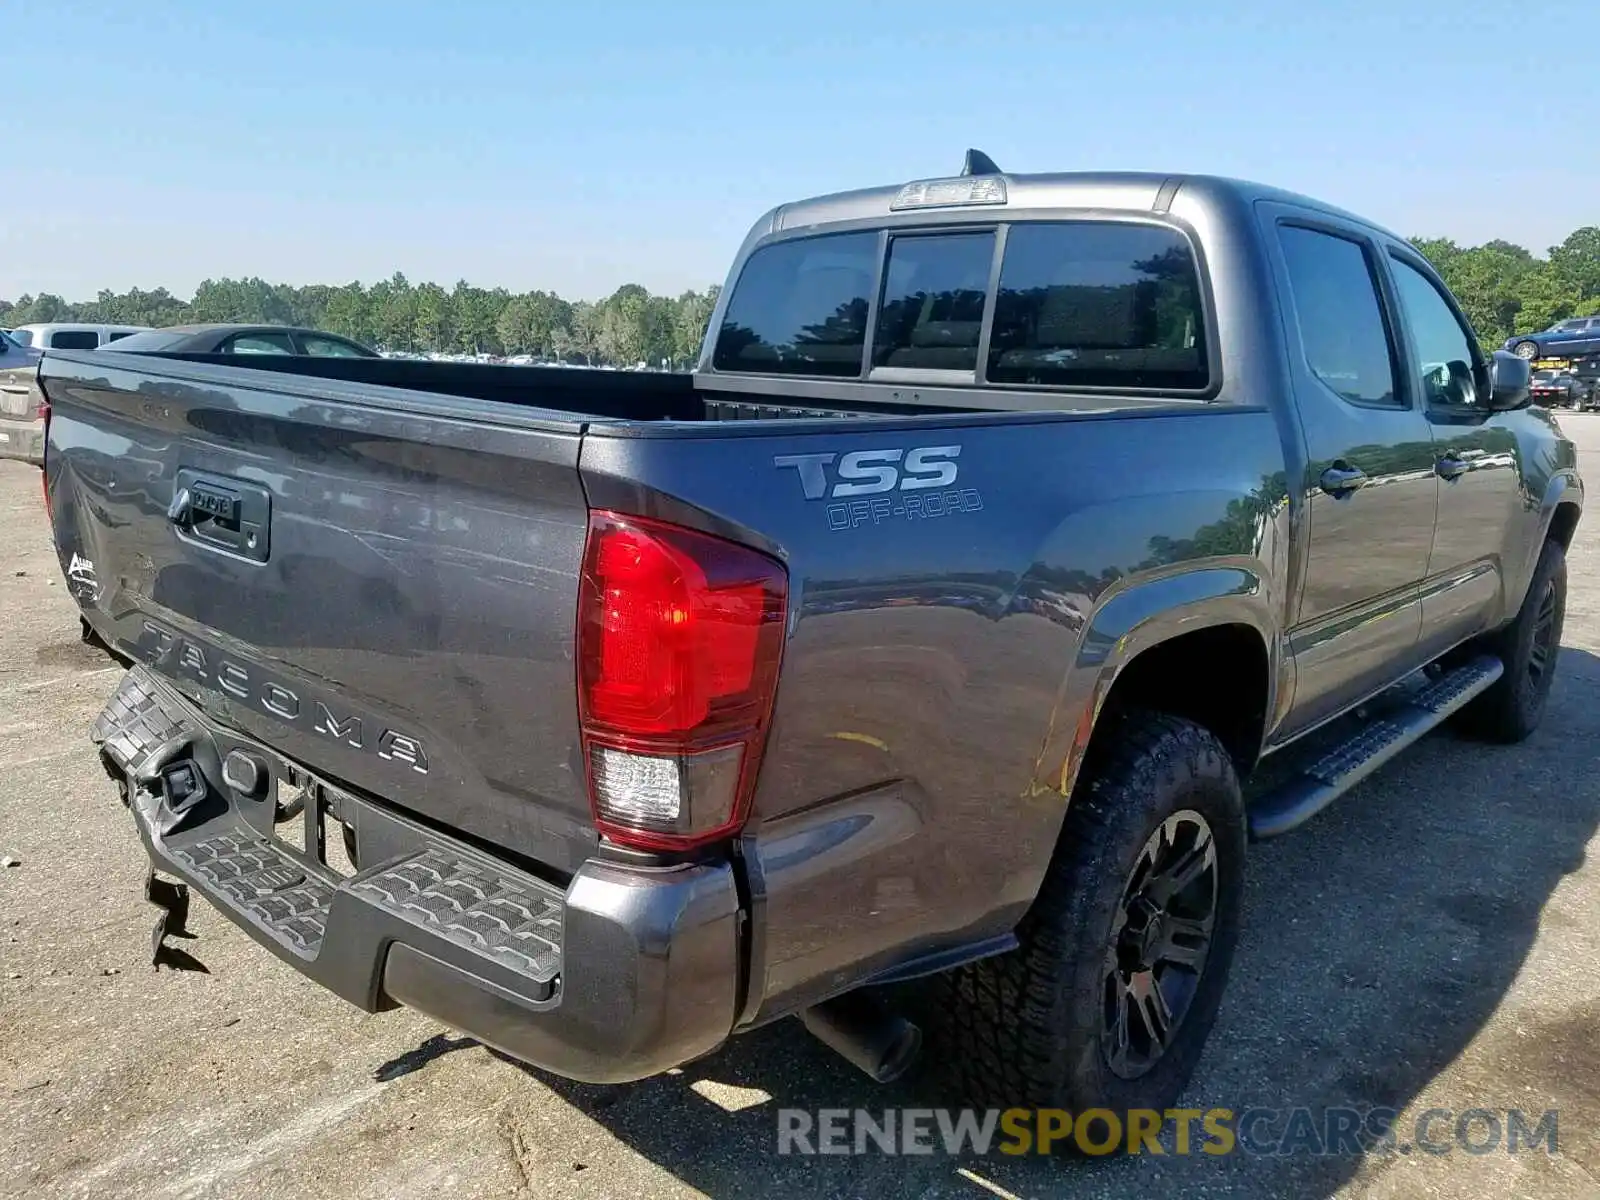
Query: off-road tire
x=1023, y=1029
x=1512, y=709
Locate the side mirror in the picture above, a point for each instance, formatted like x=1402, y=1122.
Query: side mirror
x=1509, y=377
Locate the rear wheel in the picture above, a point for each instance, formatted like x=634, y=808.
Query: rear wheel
x=1529, y=350
x=1107, y=1001
x=1512, y=709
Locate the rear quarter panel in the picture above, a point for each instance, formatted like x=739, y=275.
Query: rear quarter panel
x=946, y=645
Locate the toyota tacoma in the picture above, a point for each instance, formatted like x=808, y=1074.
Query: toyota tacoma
x=1022, y=547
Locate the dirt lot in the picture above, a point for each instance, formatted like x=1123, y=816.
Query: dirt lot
x=1429, y=942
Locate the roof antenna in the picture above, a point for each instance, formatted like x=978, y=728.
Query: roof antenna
x=979, y=163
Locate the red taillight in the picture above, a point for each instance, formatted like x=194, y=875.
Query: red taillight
x=679, y=640
x=44, y=455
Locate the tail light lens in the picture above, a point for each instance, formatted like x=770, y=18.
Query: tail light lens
x=679, y=640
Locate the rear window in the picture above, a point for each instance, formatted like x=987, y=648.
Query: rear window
x=22, y=337
x=258, y=343
x=1098, y=304
x=327, y=347
x=800, y=307
x=154, y=340
x=931, y=314
x=1079, y=304
x=74, y=339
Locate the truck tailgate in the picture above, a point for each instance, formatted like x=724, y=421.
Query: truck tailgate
x=378, y=584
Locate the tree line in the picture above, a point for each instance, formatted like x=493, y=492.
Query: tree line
x=1504, y=289
x=630, y=326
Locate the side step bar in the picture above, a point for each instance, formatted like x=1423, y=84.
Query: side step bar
x=1324, y=780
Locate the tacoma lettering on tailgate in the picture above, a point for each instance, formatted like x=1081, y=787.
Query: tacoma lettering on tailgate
x=181, y=655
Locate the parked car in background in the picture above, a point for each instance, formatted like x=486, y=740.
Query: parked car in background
x=245, y=339
x=72, y=335
x=21, y=426
x=1564, y=339
x=1556, y=389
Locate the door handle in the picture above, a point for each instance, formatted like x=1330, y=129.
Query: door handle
x=1451, y=467
x=1341, y=480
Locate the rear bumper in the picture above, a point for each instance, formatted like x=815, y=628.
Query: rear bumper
x=23, y=438
x=621, y=975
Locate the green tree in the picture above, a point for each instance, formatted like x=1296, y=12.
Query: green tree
x=475, y=314
x=394, y=313
x=633, y=328
x=434, y=317
x=349, y=311
x=1576, y=263
x=585, y=330
x=691, y=315
x=515, y=325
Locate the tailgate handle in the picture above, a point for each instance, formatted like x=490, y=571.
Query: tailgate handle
x=178, y=510
x=222, y=513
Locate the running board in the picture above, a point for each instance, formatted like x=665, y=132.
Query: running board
x=1324, y=780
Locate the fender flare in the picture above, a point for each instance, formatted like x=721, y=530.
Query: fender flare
x=1151, y=612
x=1564, y=488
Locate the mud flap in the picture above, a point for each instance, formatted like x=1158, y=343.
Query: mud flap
x=173, y=901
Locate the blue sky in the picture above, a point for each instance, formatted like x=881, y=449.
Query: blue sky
x=579, y=146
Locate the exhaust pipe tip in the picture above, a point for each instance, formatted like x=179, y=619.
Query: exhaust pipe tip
x=880, y=1044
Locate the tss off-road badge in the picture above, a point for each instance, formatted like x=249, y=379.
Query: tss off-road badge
x=869, y=487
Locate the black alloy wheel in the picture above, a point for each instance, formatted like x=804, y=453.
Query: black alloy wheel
x=1161, y=938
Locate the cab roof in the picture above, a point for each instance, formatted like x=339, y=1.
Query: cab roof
x=1138, y=191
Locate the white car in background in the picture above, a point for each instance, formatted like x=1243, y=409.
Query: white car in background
x=72, y=335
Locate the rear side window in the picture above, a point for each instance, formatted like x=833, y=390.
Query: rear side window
x=1341, y=324
x=1098, y=304
x=931, y=314
x=325, y=347
x=800, y=307
x=74, y=339
x=117, y=337
x=258, y=343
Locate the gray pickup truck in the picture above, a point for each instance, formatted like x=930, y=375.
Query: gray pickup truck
x=1022, y=547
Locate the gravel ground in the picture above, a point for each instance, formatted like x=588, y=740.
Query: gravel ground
x=1429, y=942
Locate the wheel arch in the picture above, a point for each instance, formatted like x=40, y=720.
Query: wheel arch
x=1564, y=514
x=1202, y=645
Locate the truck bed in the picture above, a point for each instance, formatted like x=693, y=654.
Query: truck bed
x=598, y=393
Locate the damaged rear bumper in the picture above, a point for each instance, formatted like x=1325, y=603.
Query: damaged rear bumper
x=622, y=974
